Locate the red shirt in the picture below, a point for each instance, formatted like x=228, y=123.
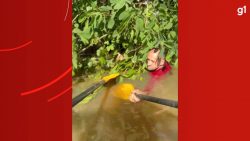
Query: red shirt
x=157, y=75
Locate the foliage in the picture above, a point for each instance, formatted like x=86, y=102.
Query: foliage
x=115, y=35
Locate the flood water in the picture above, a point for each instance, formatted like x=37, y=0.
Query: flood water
x=108, y=118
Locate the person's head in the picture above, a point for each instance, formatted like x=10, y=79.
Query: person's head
x=153, y=59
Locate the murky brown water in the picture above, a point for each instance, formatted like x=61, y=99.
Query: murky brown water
x=107, y=118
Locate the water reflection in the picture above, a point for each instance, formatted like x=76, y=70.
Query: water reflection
x=108, y=118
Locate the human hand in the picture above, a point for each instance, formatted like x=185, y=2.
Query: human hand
x=133, y=97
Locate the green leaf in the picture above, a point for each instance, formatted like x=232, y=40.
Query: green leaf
x=94, y=22
x=142, y=35
x=102, y=60
x=130, y=73
x=169, y=25
x=99, y=20
x=113, y=1
x=135, y=41
x=76, y=25
x=90, y=64
x=139, y=24
x=129, y=1
x=110, y=47
x=125, y=56
x=76, y=30
x=111, y=23
x=151, y=44
x=98, y=52
x=88, y=8
x=170, y=55
x=134, y=59
x=115, y=34
x=105, y=8
x=124, y=15
x=150, y=25
x=131, y=35
x=156, y=28
x=82, y=35
x=173, y=34
x=81, y=19
x=120, y=4
x=86, y=26
x=74, y=60
x=86, y=35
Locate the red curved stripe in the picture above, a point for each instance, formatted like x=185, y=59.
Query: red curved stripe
x=48, y=84
x=18, y=47
x=60, y=94
x=67, y=10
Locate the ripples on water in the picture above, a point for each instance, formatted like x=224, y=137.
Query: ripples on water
x=107, y=118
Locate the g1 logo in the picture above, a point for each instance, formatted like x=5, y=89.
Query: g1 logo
x=242, y=10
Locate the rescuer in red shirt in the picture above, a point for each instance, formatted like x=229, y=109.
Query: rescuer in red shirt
x=157, y=68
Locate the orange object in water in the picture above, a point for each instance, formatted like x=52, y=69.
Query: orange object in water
x=122, y=90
